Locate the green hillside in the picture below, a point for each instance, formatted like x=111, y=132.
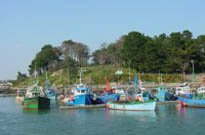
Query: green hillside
x=97, y=75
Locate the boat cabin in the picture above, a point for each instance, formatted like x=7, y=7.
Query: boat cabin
x=119, y=90
x=34, y=93
x=81, y=89
x=183, y=90
x=201, y=90
x=21, y=93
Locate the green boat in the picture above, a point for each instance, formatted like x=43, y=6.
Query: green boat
x=36, y=103
x=35, y=99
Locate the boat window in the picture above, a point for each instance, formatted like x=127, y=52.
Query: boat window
x=82, y=91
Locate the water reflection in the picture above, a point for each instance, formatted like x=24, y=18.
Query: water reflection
x=38, y=111
x=133, y=113
x=53, y=103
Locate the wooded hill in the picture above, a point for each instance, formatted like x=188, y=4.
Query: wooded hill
x=168, y=54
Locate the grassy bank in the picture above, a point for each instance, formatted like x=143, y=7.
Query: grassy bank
x=97, y=75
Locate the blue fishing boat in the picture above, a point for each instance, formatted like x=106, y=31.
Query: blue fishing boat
x=81, y=95
x=51, y=94
x=162, y=94
x=108, y=97
x=192, y=101
x=50, y=91
x=109, y=94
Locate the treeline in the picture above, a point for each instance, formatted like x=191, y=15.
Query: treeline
x=174, y=53
x=68, y=56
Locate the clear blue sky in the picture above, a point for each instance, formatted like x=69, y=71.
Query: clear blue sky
x=27, y=25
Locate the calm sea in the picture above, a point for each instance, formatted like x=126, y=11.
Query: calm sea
x=167, y=120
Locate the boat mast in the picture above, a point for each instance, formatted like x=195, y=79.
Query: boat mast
x=136, y=83
x=80, y=77
x=129, y=72
x=46, y=75
x=68, y=75
x=193, y=74
x=80, y=72
x=35, y=72
x=159, y=79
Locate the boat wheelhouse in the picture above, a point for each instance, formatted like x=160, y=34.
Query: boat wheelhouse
x=183, y=89
x=81, y=95
x=201, y=90
x=35, y=99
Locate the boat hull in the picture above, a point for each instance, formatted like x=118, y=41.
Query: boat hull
x=83, y=99
x=36, y=103
x=192, y=102
x=51, y=94
x=52, y=97
x=19, y=99
x=133, y=106
x=108, y=97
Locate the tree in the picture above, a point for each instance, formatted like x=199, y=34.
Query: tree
x=133, y=49
x=181, y=50
x=46, y=59
x=109, y=53
x=75, y=50
x=155, y=57
x=21, y=76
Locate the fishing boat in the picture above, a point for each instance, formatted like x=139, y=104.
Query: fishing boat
x=165, y=94
x=194, y=101
x=50, y=91
x=109, y=94
x=81, y=95
x=183, y=89
x=20, y=96
x=132, y=106
x=140, y=102
x=201, y=90
x=35, y=98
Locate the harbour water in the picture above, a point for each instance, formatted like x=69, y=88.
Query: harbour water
x=167, y=120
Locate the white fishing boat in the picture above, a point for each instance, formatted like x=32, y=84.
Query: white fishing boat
x=20, y=96
x=183, y=89
x=201, y=90
x=133, y=106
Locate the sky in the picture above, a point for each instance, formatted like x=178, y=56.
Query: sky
x=27, y=25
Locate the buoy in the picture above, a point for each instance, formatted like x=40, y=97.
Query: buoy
x=70, y=98
x=128, y=98
x=185, y=104
x=180, y=102
x=107, y=105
